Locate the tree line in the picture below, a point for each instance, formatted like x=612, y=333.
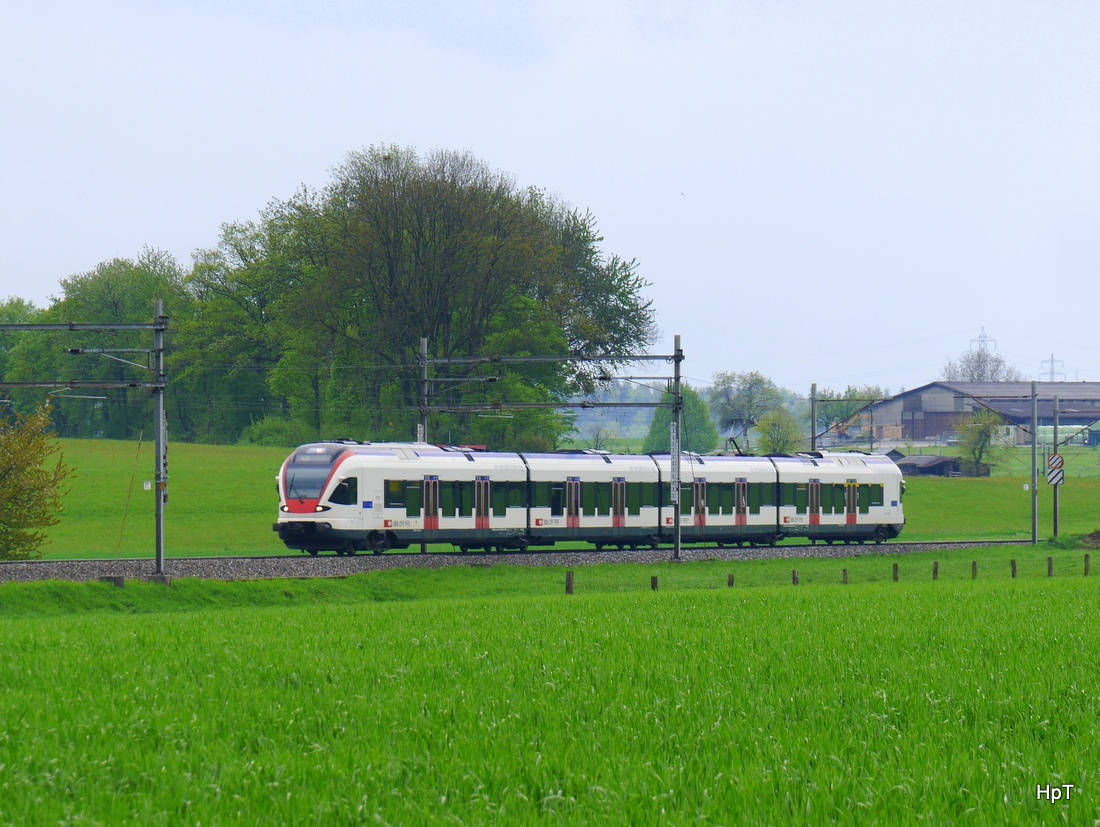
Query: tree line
x=740, y=412
x=306, y=322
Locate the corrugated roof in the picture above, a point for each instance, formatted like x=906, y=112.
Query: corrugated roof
x=926, y=461
x=1065, y=391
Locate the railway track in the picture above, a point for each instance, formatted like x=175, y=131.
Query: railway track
x=291, y=566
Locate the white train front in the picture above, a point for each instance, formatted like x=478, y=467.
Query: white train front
x=348, y=497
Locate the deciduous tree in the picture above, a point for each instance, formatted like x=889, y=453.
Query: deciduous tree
x=981, y=364
x=699, y=434
x=741, y=399
x=778, y=432
x=835, y=408
x=117, y=291
x=13, y=311
x=30, y=483
x=980, y=442
x=334, y=288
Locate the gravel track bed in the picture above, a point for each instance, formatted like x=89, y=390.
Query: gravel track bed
x=292, y=567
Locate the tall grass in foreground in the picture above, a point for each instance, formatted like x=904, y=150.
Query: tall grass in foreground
x=877, y=703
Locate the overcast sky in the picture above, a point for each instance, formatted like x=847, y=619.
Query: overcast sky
x=830, y=191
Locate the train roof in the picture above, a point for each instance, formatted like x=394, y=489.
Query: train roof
x=424, y=450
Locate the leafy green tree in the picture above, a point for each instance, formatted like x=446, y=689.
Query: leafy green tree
x=118, y=291
x=327, y=296
x=778, y=432
x=13, y=311
x=739, y=400
x=980, y=442
x=699, y=435
x=835, y=408
x=30, y=484
x=227, y=348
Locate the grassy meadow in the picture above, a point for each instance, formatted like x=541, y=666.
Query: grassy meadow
x=222, y=500
x=425, y=697
x=485, y=695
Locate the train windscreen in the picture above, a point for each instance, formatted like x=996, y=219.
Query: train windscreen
x=305, y=483
x=309, y=469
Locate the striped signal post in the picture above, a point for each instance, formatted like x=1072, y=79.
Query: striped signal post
x=1056, y=474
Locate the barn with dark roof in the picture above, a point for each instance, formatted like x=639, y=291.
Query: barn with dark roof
x=934, y=411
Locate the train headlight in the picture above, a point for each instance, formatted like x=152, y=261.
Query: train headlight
x=321, y=508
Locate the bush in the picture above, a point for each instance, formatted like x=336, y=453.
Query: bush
x=30, y=491
x=278, y=433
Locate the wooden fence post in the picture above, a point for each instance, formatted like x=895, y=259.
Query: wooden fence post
x=729, y=582
x=1013, y=562
x=844, y=578
x=653, y=583
x=895, y=572
x=936, y=570
x=794, y=577
x=569, y=582
x=974, y=570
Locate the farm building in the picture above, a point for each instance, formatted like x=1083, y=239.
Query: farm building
x=934, y=411
x=929, y=466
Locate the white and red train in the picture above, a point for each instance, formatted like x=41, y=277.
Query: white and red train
x=348, y=497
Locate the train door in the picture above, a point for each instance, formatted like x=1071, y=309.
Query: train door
x=482, y=504
x=851, y=502
x=573, y=502
x=741, y=501
x=700, y=498
x=618, y=502
x=814, y=504
x=431, y=503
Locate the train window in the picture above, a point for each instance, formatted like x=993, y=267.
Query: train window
x=413, y=498
x=603, y=498
x=500, y=499
x=588, y=499
x=756, y=497
x=634, y=498
x=687, y=496
x=801, y=498
x=787, y=494
x=394, y=494
x=517, y=495
x=651, y=494
x=540, y=495
x=447, y=499
x=768, y=494
x=557, y=500
x=465, y=498
x=346, y=493
x=878, y=494
x=865, y=498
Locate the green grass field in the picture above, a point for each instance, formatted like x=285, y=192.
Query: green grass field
x=476, y=695
x=421, y=697
x=222, y=500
